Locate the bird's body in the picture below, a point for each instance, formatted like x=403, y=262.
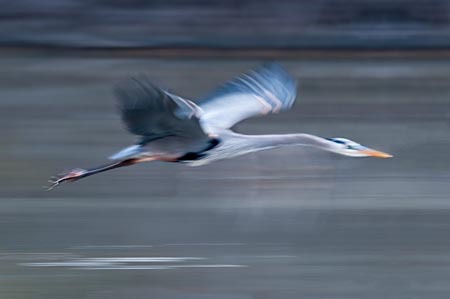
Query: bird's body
x=174, y=129
x=231, y=145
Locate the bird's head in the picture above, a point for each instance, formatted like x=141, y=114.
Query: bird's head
x=350, y=148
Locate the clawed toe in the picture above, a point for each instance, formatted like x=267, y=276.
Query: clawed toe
x=64, y=177
x=54, y=181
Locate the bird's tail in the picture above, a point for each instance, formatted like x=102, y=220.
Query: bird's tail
x=127, y=153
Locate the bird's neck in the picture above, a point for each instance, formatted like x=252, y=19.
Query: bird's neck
x=278, y=140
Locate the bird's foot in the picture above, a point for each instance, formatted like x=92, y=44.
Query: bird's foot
x=65, y=177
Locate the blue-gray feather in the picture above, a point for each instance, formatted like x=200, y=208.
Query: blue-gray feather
x=267, y=89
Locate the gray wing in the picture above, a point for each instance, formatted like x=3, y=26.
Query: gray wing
x=153, y=113
x=268, y=89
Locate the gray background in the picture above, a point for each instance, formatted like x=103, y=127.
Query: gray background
x=288, y=223
x=331, y=24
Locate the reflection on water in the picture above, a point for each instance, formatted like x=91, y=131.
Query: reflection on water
x=132, y=263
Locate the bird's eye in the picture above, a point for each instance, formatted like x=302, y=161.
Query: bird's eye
x=350, y=147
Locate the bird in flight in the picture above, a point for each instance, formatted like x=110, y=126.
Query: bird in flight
x=174, y=129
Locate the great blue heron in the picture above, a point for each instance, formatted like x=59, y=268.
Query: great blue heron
x=174, y=129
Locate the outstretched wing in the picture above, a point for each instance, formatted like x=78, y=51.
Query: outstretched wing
x=268, y=89
x=153, y=113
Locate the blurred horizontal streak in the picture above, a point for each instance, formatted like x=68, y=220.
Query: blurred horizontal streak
x=35, y=256
x=203, y=244
x=247, y=23
x=372, y=202
x=124, y=247
x=131, y=263
x=207, y=53
x=168, y=267
x=112, y=247
x=144, y=259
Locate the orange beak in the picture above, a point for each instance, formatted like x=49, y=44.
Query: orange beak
x=376, y=154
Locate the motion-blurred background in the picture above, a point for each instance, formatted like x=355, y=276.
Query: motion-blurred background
x=286, y=223
x=239, y=24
